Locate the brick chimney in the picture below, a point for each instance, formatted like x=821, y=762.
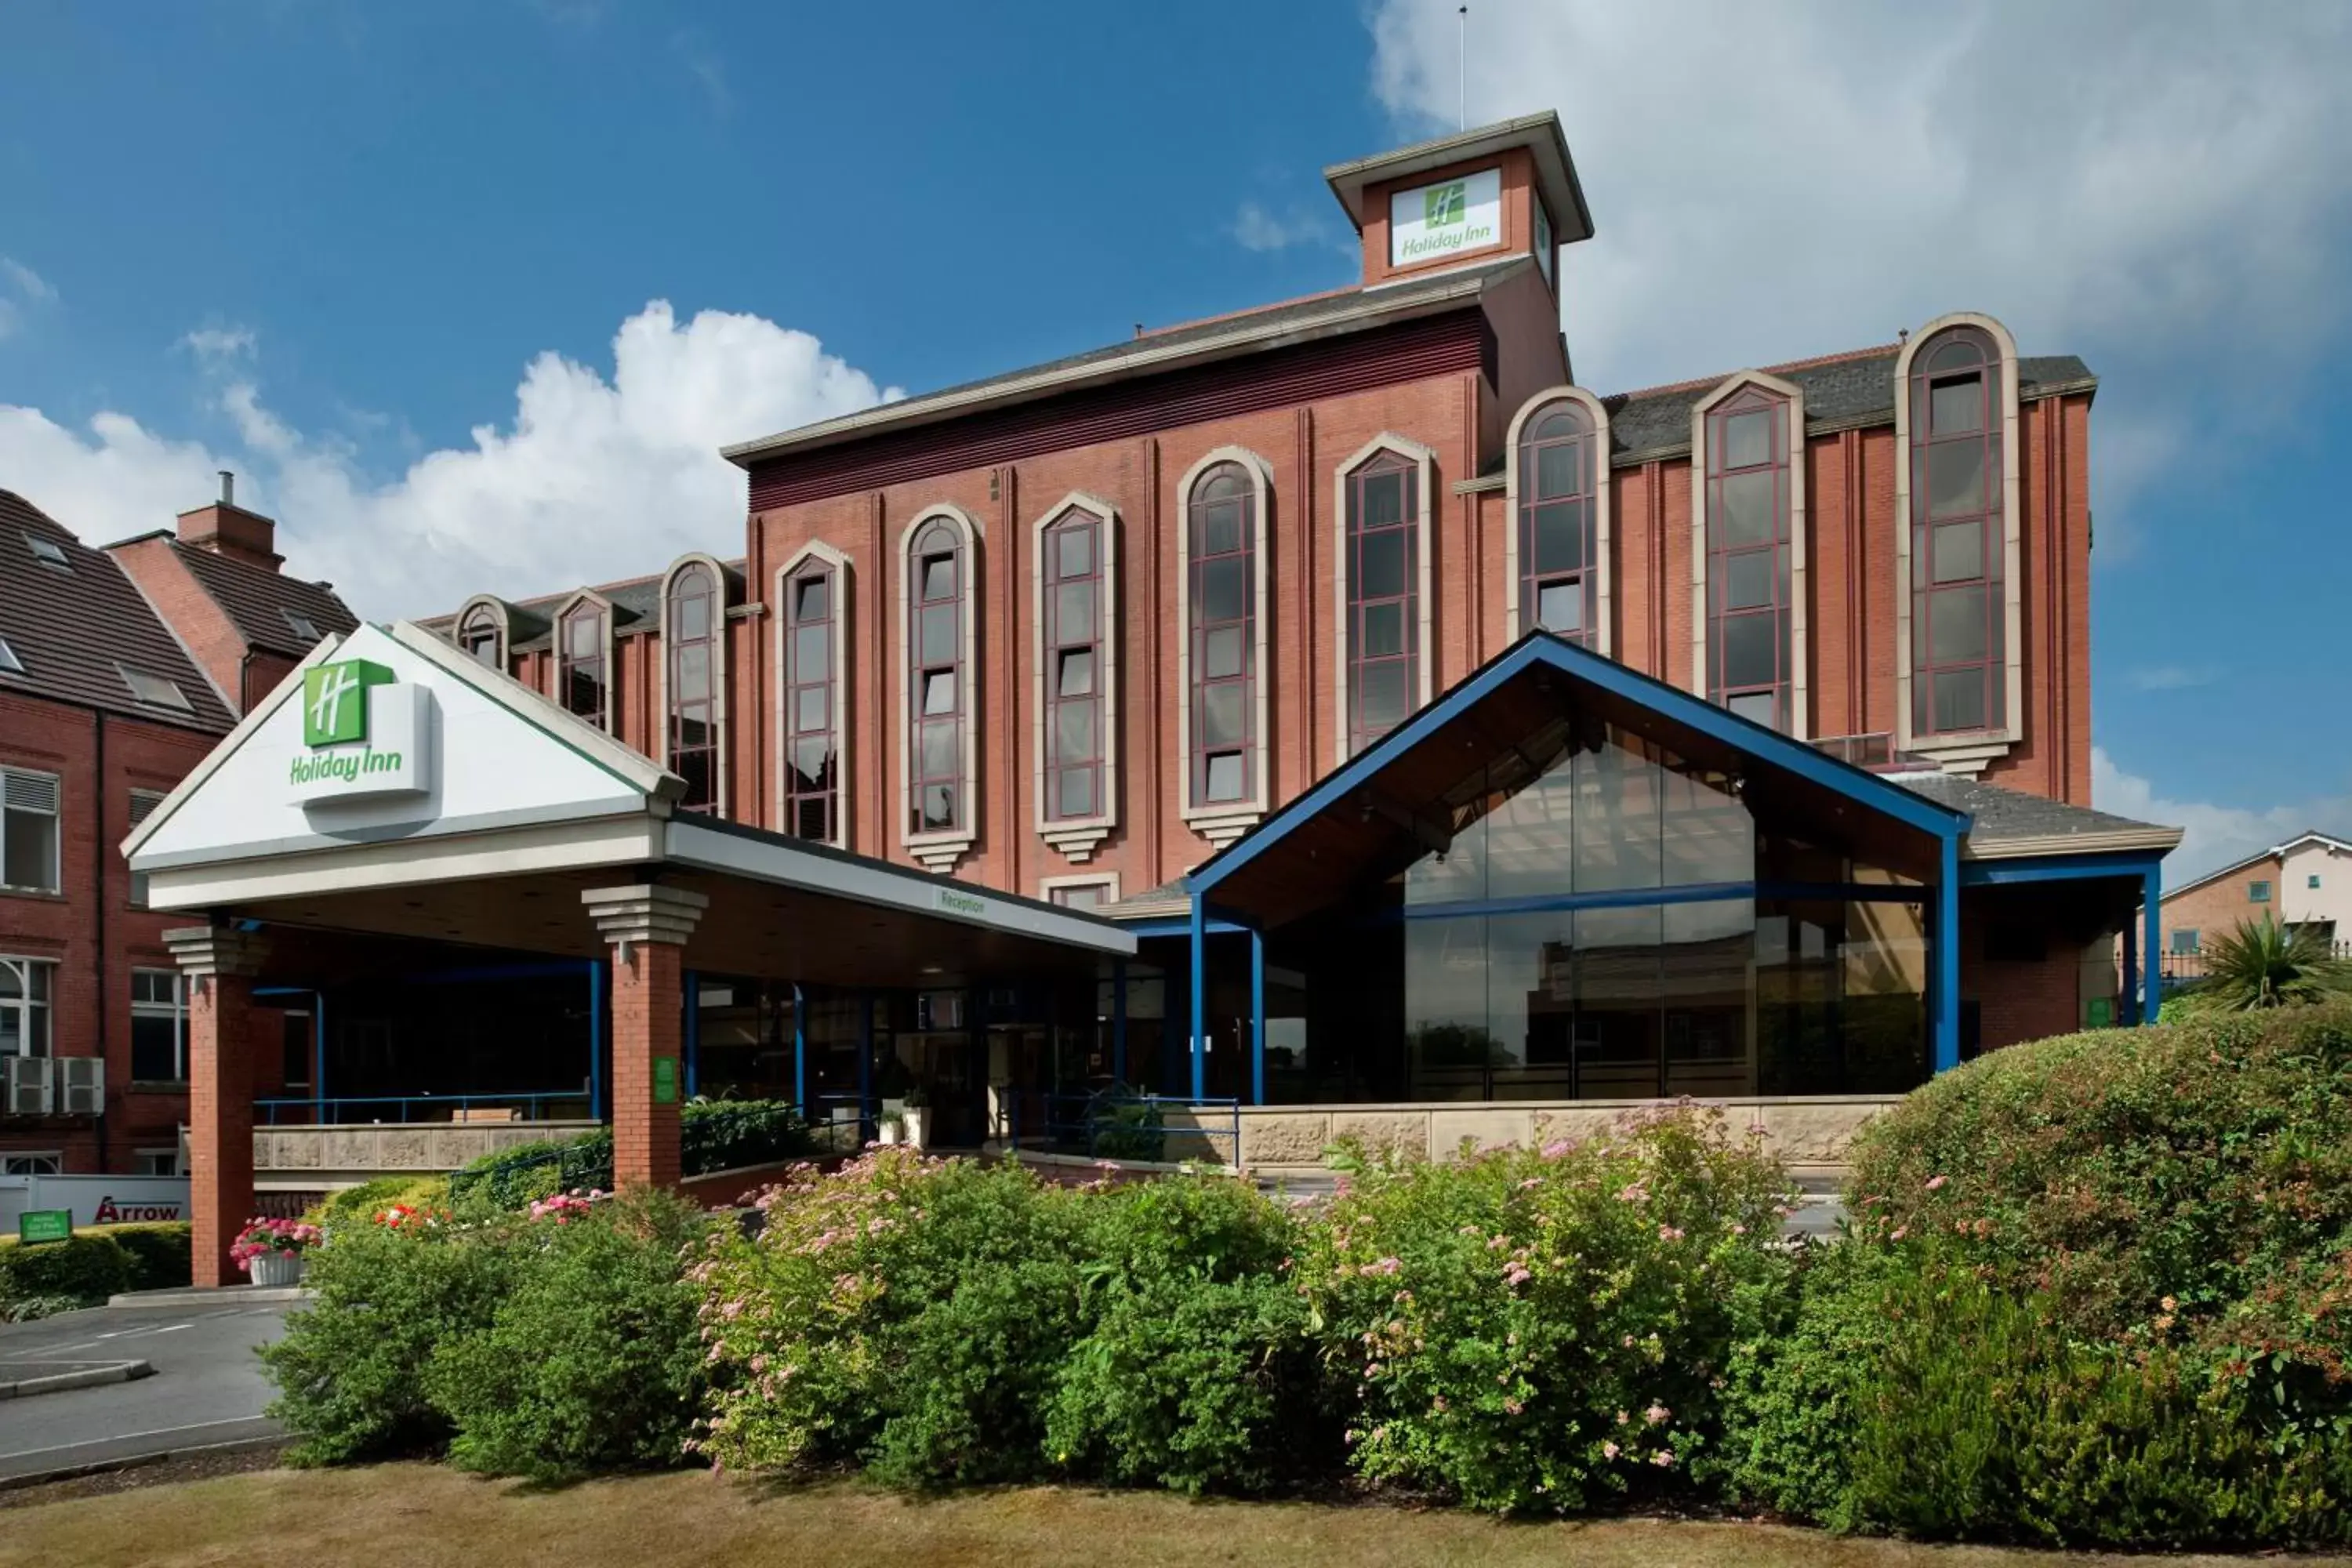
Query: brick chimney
x=226, y=529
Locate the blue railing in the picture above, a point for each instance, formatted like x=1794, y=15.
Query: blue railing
x=1117, y=1126
x=839, y=1124
x=563, y=1105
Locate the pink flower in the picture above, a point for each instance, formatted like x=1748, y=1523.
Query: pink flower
x=1898, y=1233
x=1664, y=1458
x=1610, y=1450
x=1935, y=1181
x=1512, y=1406
x=1384, y=1265
x=1655, y=1414
x=1669, y=1233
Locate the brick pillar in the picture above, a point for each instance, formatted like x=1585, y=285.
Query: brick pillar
x=220, y=964
x=647, y=926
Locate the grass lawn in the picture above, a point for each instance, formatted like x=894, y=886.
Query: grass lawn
x=393, y=1516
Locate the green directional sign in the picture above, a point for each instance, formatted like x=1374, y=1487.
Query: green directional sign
x=665, y=1081
x=45, y=1224
x=335, y=701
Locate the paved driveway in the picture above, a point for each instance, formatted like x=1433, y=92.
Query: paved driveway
x=207, y=1387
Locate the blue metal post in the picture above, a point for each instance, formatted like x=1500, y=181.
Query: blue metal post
x=1118, y=1021
x=1257, y=1016
x=865, y=1063
x=1946, y=956
x=800, y=1050
x=2128, y=1006
x=318, y=1058
x=1197, y=1023
x=2152, y=979
x=691, y=990
x=595, y=1041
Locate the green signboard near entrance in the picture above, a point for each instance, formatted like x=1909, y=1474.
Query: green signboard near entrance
x=665, y=1081
x=45, y=1224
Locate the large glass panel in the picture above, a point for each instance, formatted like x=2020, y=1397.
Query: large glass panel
x=1380, y=699
x=1748, y=650
x=1560, y=470
x=1383, y=629
x=814, y=591
x=1220, y=529
x=1223, y=585
x=1560, y=537
x=1383, y=499
x=1749, y=509
x=1077, y=673
x=1959, y=696
x=1559, y=606
x=1749, y=578
x=1956, y=403
x=939, y=692
x=938, y=635
x=939, y=578
x=1381, y=564
x=1956, y=478
x=812, y=653
x=1748, y=439
x=1957, y=627
x=1450, y=1049
x=1074, y=613
x=808, y=709
x=1221, y=716
x=1958, y=550
x=1074, y=551
x=1225, y=780
x=693, y=674
x=1222, y=655
x=1073, y=732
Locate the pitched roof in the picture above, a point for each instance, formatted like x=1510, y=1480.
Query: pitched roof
x=76, y=630
x=2000, y=819
x=258, y=601
x=2275, y=852
x=1270, y=327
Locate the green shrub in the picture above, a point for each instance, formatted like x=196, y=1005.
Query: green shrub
x=161, y=1253
x=349, y=1370
x=591, y=1360
x=361, y=1206
x=713, y=1135
x=2195, y=1160
x=87, y=1268
x=905, y=1312
x=1918, y=1395
x=1545, y=1330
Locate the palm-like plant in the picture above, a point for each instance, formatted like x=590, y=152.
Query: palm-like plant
x=2268, y=965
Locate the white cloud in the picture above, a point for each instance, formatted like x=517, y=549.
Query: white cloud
x=2216, y=835
x=594, y=478
x=27, y=282
x=1256, y=228
x=2159, y=187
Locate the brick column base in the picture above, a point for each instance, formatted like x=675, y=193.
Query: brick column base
x=647, y=1026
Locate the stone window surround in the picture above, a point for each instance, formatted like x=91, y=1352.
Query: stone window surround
x=1604, y=635
x=1107, y=880
x=837, y=675
x=941, y=851
x=1225, y=821
x=1799, y=666
x=557, y=657
x=1076, y=838
x=1962, y=754
x=490, y=606
x=723, y=796
x=1424, y=461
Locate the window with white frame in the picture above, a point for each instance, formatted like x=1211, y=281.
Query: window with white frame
x=25, y=985
x=155, y=1163
x=33, y=1162
x=159, y=1026
x=29, y=830
x=143, y=803
x=154, y=690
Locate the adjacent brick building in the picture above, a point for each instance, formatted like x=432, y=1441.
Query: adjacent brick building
x=119, y=669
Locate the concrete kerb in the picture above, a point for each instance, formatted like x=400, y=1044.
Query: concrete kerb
x=23, y=1379
x=214, y=1296
x=134, y=1461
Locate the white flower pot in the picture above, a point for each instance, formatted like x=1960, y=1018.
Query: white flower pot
x=917, y=1123
x=276, y=1268
x=887, y=1131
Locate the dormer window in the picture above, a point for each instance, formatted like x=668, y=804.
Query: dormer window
x=48, y=552
x=154, y=690
x=1558, y=544
x=482, y=636
x=9, y=663
x=584, y=646
x=692, y=611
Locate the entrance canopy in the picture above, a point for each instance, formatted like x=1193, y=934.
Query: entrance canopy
x=394, y=786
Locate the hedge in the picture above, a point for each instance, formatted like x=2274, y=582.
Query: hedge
x=97, y=1263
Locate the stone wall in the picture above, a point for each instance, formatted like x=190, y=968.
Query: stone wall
x=339, y=1155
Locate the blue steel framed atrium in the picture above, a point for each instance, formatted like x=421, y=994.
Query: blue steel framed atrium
x=1563, y=881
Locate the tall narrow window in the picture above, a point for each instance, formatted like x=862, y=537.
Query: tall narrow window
x=29, y=830
x=582, y=664
x=1749, y=537
x=24, y=1024
x=478, y=636
x=1557, y=478
x=1073, y=563
x=159, y=1026
x=1957, y=540
x=1223, y=574
x=691, y=618
x=1381, y=550
x=812, y=724
x=937, y=700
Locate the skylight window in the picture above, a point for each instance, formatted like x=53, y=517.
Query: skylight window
x=154, y=690
x=9, y=662
x=304, y=628
x=48, y=552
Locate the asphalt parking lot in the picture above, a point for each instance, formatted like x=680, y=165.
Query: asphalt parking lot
x=207, y=1386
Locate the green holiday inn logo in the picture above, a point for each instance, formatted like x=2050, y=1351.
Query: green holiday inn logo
x=335, y=713
x=1445, y=204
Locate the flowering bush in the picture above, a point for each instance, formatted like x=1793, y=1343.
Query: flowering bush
x=273, y=1237
x=1547, y=1330
x=561, y=1208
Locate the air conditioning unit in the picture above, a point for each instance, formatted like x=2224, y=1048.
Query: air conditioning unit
x=85, y=1085
x=27, y=1085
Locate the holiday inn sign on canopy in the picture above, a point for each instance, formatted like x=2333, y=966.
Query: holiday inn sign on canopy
x=367, y=734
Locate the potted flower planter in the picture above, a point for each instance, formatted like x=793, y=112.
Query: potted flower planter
x=277, y=1269
x=915, y=1118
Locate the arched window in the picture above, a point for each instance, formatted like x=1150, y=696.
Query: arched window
x=583, y=663
x=1958, y=529
x=1559, y=485
x=1221, y=569
x=1749, y=510
x=1382, y=580
x=813, y=593
x=482, y=636
x=694, y=654
x=941, y=815
x=1077, y=668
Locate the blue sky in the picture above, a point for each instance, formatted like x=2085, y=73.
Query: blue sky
x=446, y=283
